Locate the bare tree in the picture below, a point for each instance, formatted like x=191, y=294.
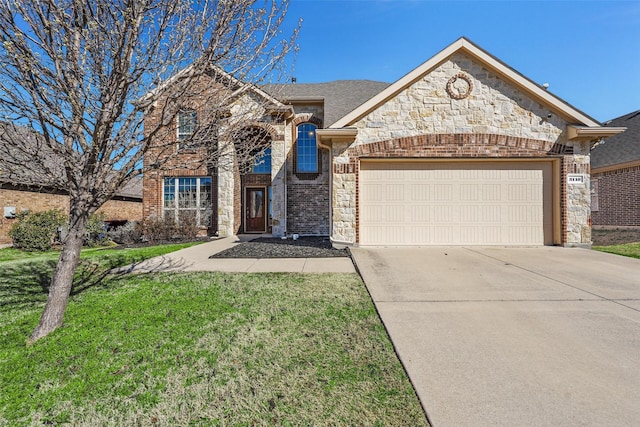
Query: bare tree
x=84, y=74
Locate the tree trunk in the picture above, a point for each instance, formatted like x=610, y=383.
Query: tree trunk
x=62, y=280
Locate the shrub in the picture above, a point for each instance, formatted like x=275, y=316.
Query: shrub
x=131, y=232
x=159, y=229
x=167, y=229
x=96, y=233
x=37, y=231
x=187, y=227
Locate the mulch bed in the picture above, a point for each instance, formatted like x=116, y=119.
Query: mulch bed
x=270, y=247
x=617, y=236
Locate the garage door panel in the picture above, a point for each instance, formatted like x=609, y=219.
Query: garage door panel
x=429, y=203
x=383, y=214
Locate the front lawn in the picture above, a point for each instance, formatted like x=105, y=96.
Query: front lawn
x=628, y=249
x=199, y=349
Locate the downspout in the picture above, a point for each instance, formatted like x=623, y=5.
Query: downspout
x=286, y=188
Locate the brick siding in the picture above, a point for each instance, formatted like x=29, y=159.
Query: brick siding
x=38, y=202
x=308, y=209
x=618, y=197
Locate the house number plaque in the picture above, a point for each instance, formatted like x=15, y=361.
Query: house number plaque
x=575, y=178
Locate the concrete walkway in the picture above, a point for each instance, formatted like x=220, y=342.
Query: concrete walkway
x=196, y=258
x=541, y=336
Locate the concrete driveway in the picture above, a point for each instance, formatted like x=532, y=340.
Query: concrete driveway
x=541, y=336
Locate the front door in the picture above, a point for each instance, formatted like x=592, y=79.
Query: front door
x=255, y=210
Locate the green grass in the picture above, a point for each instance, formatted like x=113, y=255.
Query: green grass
x=200, y=349
x=10, y=254
x=628, y=249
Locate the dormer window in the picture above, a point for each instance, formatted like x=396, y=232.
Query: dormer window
x=186, y=124
x=307, y=149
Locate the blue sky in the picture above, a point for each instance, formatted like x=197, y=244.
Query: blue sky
x=588, y=51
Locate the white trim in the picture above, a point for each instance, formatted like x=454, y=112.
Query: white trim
x=198, y=209
x=465, y=46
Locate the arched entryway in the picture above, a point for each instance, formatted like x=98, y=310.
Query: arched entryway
x=254, y=194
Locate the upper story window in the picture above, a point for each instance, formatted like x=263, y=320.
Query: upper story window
x=307, y=149
x=186, y=124
x=262, y=163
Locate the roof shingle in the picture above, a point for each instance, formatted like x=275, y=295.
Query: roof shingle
x=621, y=148
x=340, y=96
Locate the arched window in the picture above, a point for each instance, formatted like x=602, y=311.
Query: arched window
x=307, y=149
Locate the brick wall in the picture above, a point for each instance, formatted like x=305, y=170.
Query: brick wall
x=120, y=210
x=308, y=200
x=308, y=209
x=27, y=200
x=38, y=202
x=618, y=197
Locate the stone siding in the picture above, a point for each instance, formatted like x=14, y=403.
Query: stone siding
x=577, y=202
x=493, y=107
x=496, y=120
x=618, y=197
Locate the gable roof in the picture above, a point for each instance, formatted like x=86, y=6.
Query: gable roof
x=339, y=96
x=237, y=86
x=466, y=47
x=621, y=148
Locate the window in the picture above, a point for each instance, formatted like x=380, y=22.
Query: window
x=186, y=124
x=188, y=199
x=307, y=150
x=262, y=163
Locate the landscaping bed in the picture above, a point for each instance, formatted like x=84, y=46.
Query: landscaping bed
x=273, y=247
x=615, y=236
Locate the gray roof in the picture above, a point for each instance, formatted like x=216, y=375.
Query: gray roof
x=340, y=96
x=26, y=160
x=621, y=148
x=132, y=189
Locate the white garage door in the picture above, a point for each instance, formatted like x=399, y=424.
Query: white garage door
x=456, y=203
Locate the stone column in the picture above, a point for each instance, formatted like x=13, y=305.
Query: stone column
x=278, y=188
x=226, y=177
x=343, y=228
x=579, y=198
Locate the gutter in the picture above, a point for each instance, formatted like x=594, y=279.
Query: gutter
x=591, y=133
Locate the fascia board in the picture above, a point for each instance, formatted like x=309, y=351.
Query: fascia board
x=466, y=46
x=589, y=133
x=337, y=135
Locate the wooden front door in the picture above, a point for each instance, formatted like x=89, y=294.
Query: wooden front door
x=255, y=210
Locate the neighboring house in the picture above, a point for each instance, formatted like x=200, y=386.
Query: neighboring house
x=461, y=150
x=125, y=206
x=615, y=175
x=19, y=190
